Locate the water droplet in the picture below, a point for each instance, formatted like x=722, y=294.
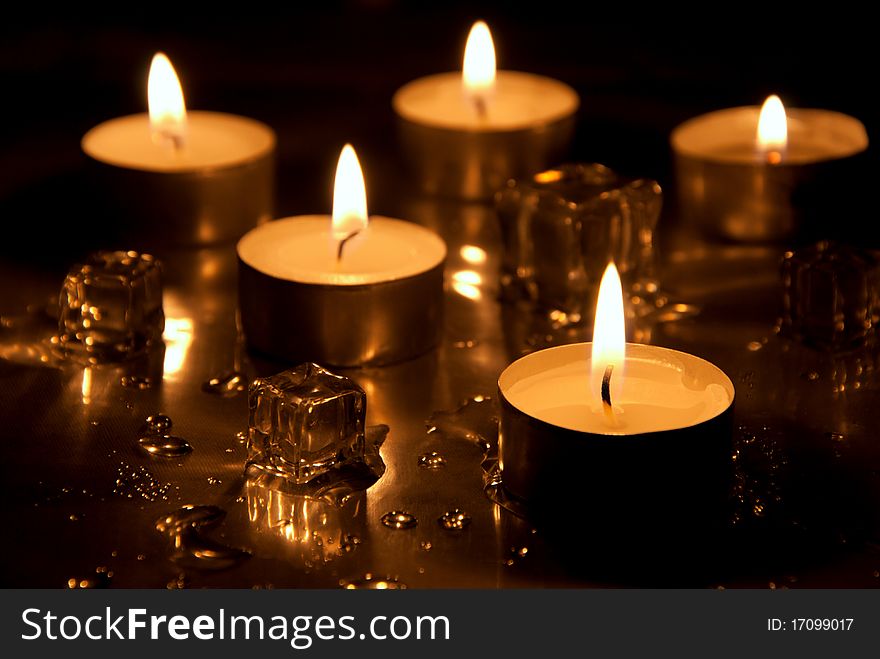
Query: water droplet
x=425, y=545
x=475, y=421
x=400, y=520
x=136, y=382
x=138, y=482
x=164, y=446
x=421, y=570
x=812, y=376
x=454, y=520
x=191, y=548
x=432, y=460
x=876, y=573
x=101, y=579
x=214, y=481
x=74, y=518
x=348, y=544
x=772, y=585
x=190, y=516
x=226, y=385
x=141, y=557
x=158, y=424
x=754, y=346
x=370, y=582
x=180, y=582
x=835, y=436
x=242, y=436
x=470, y=343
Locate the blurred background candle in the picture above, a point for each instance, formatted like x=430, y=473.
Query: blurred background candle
x=178, y=177
x=342, y=290
x=465, y=133
x=766, y=174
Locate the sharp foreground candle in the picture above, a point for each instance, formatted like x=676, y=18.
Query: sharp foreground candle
x=621, y=428
x=178, y=177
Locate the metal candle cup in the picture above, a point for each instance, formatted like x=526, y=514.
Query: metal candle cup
x=216, y=189
x=466, y=133
x=613, y=478
x=728, y=187
x=359, y=320
x=474, y=163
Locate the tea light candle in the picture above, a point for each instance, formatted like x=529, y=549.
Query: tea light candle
x=753, y=174
x=342, y=290
x=176, y=177
x=467, y=132
x=622, y=419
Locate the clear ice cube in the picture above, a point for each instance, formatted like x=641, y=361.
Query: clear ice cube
x=110, y=307
x=831, y=296
x=304, y=422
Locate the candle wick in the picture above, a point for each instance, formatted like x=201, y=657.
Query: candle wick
x=480, y=104
x=342, y=244
x=606, y=395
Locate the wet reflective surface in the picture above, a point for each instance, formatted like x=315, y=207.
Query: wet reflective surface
x=79, y=492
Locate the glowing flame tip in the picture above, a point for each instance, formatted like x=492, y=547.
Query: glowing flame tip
x=772, y=126
x=478, y=72
x=349, y=195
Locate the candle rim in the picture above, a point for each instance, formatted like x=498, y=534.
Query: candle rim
x=632, y=350
x=454, y=77
x=682, y=136
x=266, y=133
x=375, y=280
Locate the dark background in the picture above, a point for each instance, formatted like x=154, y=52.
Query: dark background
x=322, y=75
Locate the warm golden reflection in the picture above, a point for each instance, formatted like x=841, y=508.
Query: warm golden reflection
x=165, y=100
x=473, y=254
x=349, y=195
x=318, y=530
x=87, y=385
x=466, y=283
x=178, y=336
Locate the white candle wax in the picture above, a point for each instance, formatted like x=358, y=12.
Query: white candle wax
x=214, y=140
x=303, y=249
x=730, y=136
x=660, y=390
x=519, y=101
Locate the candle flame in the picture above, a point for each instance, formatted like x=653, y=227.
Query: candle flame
x=349, y=196
x=478, y=72
x=609, y=335
x=772, y=129
x=165, y=102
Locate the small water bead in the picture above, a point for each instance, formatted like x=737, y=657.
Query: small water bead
x=370, y=582
x=214, y=481
x=137, y=382
x=454, y=520
x=242, y=436
x=137, y=482
x=470, y=343
x=348, y=544
x=164, y=446
x=101, y=579
x=158, y=424
x=189, y=516
x=425, y=545
x=180, y=582
x=432, y=461
x=397, y=519
x=754, y=346
x=835, y=436
x=226, y=385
